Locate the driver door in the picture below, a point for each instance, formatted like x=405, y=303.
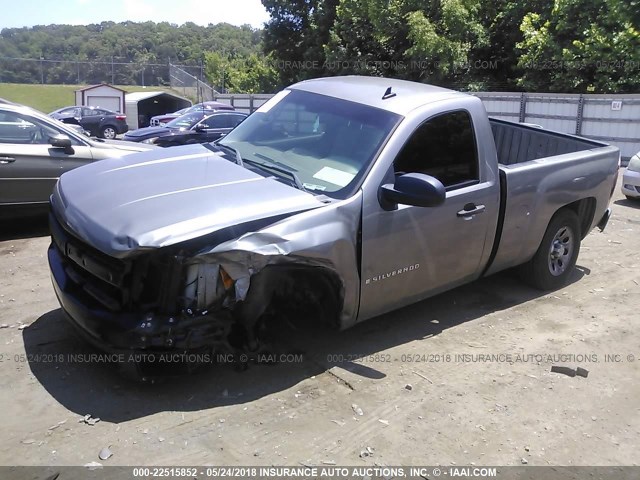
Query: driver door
x=410, y=253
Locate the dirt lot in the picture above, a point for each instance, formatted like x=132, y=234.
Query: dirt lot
x=443, y=409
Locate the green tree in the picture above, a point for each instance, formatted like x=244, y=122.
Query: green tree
x=582, y=46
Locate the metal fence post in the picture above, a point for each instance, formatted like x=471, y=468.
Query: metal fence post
x=580, y=114
x=523, y=107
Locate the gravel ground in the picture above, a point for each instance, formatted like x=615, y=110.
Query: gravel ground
x=463, y=378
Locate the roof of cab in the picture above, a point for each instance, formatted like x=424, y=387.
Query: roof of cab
x=370, y=91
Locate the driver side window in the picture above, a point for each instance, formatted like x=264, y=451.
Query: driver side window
x=443, y=147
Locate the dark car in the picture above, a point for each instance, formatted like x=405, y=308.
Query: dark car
x=195, y=127
x=36, y=149
x=208, y=107
x=99, y=122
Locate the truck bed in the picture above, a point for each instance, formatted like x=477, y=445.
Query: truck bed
x=518, y=143
x=540, y=172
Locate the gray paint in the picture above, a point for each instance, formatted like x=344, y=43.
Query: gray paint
x=164, y=198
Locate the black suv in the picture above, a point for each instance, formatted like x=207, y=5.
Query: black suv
x=99, y=122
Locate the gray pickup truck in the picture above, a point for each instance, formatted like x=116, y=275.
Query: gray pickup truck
x=338, y=200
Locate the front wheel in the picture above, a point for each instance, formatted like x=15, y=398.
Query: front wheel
x=556, y=257
x=108, y=132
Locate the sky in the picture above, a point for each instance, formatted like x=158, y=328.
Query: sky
x=82, y=12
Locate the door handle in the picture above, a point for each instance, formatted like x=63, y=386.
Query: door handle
x=7, y=159
x=471, y=209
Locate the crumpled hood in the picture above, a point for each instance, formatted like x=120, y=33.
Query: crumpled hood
x=163, y=197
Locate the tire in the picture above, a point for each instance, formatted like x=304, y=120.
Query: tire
x=553, y=263
x=108, y=132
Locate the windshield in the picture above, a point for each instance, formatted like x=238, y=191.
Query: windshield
x=185, y=121
x=327, y=142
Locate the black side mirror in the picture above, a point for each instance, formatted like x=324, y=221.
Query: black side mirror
x=201, y=128
x=415, y=189
x=60, y=141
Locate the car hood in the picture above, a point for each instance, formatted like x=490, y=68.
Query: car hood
x=122, y=145
x=147, y=132
x=159, y=198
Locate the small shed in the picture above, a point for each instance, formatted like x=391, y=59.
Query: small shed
x=141, y=106
x=104, y=96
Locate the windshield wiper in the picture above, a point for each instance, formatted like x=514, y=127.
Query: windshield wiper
x=239, y=159
x=271, y=166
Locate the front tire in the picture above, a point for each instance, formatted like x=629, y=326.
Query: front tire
x=553, y=263
x=108, y=132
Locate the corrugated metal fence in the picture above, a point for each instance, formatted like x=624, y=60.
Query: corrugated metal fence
x=613, y=119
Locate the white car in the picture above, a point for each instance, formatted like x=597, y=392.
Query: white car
x=631, y=178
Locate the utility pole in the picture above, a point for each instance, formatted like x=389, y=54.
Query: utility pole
x=112, y=75
x=41, y=69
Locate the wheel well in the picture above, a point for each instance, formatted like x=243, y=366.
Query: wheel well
x=585, y=209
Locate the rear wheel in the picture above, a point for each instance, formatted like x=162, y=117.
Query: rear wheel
x=556, y=257
x=108, y=132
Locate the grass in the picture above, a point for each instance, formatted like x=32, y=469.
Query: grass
x=48, y=98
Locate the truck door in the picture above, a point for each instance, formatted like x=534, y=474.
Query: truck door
x=413, y=252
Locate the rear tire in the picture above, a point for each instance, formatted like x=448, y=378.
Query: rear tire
x=553, y=263
x=108, y=132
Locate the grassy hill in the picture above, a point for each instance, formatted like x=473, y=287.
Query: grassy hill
x=47, y=98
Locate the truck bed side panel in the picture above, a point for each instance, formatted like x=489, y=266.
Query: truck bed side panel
x=537, y=189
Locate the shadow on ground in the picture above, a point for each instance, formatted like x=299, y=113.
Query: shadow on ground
x=97, y=388
x=32, y=225
x=625, y=202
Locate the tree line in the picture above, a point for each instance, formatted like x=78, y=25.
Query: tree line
x=573, y=46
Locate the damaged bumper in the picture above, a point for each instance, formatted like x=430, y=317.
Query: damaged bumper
x=123, y=331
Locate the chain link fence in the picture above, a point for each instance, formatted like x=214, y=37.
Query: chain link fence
x=189, y=85
x=185, y=79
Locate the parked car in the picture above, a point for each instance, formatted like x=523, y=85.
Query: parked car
x=300, y=212
x=36, y=149
x=194, y=127
x=99, y=122
x=160, y=120
x=631, y=178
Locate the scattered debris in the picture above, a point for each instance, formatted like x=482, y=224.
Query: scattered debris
x=367, y=452
x=339, y=423
x=161, y=439
x=408, y=386
x=476, y=345
x=358, y=411
x=526, y=449
x=384, y=422
x=105, y=453
x=23, y=326
x=582, y=372
x=4, y=325
x=524, y=461
x=594, y=418
x=435, y=321
x=28, y=441
x=570, y=372
x=93, y=465
x=89, y=420
x=422, y=376
x=145, y=431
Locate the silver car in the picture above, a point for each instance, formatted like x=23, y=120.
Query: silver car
x=631, y=178
x=35, y=150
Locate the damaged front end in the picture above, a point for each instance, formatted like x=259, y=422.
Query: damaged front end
x=217, y=292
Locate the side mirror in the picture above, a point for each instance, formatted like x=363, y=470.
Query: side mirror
x=60, y=141
x=415, y=189
x=201, y=128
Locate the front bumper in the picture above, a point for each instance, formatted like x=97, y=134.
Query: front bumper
x=631, y=183
x=133, y=331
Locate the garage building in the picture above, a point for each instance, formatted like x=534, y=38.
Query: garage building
x=141, y=106
x=104, y=96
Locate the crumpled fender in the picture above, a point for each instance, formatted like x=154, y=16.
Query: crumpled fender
x=325, y=237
